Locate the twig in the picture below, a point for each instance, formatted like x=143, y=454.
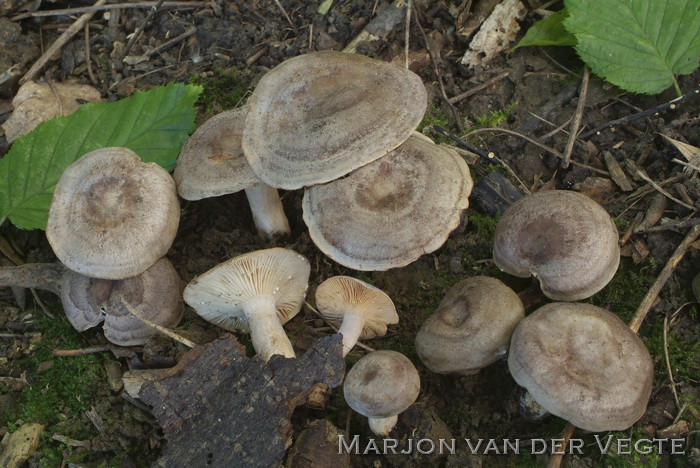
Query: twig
x=487, y=156
x=407, y=32
x=81, y=352
x=333, y=327
x=163, y=330
x=664, y=192
x=284, y=12
x=112, y=6
x=677, y=225
x=171, y=42
x=56, y=46
x=668, y=364
x=665, y=274
x=555, y=459
x=630, y=118
x=476, y=89
x=88, y=60
x=576, y=122
x=136, y=34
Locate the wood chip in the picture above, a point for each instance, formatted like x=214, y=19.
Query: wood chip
x=616, y=173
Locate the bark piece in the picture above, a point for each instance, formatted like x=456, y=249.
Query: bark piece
x=219, y=408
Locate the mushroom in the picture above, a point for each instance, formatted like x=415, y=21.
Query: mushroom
x=471, y=327
x=256, y=292
x=318, y=116
x=391, y=211
x=380, y=386
x=361, y=310
x=88, y=301
x=112, y=216
x=565, y=239
x=583, y=364
x=211, y=164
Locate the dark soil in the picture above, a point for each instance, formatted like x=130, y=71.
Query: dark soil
x=235, y=43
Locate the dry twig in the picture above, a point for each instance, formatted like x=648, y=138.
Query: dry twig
x=576, y=122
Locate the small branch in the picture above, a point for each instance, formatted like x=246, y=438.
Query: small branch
x=664, y=192
x=163, y=330
x=135, y=36
x=668, y=364
x=556, y=458
x=576, y=122
x=476, y=89
x=112, y=6
x=81, y=352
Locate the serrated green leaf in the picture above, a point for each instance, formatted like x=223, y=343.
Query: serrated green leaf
x=154, y=124
x=637, y=45
x=549, y=31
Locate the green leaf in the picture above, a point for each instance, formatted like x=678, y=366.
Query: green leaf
x=154, y=124
x=637, y=45
x=549, y=31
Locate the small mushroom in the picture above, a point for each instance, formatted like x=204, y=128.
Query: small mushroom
x=256, y=292
x=211, y=164
x=380, y=386
x=391, y=211
x=112, y=216
x=318, y=116
x=361, y=310
x=471, y=327
x=565, y=239
x=583, y=364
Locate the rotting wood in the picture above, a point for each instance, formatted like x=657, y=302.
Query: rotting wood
x=388, y=18
x=616, y=173
x=219, y=408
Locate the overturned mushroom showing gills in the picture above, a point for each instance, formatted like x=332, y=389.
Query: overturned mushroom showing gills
x=361, y=310
x=211, y=164
x=471, y=327
x=112, y=216
x=380, y=386
x=318, y=116
x=583, y=364
x=391, y=211
x=255, y=292
x=565, y=239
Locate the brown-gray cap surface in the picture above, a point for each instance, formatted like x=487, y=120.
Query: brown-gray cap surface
x=318, y=116
x=391, y=211
x=112, y=216
x=567, y=240
x=583, y=364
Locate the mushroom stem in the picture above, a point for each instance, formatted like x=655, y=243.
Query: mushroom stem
x=266, y=331
x=382, y=426
x=351, y=330
x=268, y=214
x=46, y=276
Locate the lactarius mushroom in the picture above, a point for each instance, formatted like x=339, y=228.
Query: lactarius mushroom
x=112, y=216
x=583, y=364
x=255, y=292
x=390, y=212
x=87, y=302
x=380, y=386
x=211, y=164
x=361, y=310
x=318, y=116
x=565, y=239
x=471, y=327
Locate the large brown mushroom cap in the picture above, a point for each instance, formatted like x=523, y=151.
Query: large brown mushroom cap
x=471, y=327
x=391, y=211
x=583, y=364
x=318, y=116
x=568, y=241
x=211, y=162
x=112, y=216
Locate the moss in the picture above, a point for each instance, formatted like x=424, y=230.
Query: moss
x=225, y=90
x=492, y=119
x=435, y=116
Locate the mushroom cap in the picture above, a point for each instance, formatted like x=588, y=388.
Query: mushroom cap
x=471, y=327
x=211, y=162
x=381, y=384
x=112, y=216
x=583, y=364
x=83, y=298
x=220, y=294
x=338, y=295
x=391, y=211
x=318, y=116
x=568, y=241
x=155, y=293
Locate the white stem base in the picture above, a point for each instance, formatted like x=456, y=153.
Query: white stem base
x=266, y=331
x=268, y=214
x=351, y=329
x=383, y=426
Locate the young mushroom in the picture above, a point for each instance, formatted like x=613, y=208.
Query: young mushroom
x=112, y=216
x=471, y=327
x=583, y=364
x=256, y=292
x=391, y=211
x=361, y=310
x=211, y=164
x=565, y=239
x=380, y=386
x=316, y=117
